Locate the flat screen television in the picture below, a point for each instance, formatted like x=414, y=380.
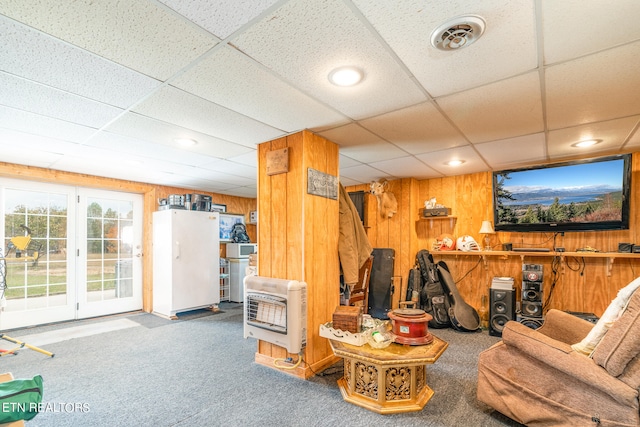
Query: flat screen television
x=581, y=195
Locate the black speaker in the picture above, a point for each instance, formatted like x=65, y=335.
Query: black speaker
x=502, y=308
x=531, y=322
x=531, y=305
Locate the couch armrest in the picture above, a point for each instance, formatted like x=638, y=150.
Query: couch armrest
x=560, y=356
x=565, y=327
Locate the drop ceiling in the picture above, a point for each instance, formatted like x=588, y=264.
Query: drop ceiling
x=104, y=88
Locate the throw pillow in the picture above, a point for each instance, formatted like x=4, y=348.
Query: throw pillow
x=609, y=316
x=622, y=342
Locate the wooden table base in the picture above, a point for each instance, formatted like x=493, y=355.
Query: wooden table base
x=387, y=381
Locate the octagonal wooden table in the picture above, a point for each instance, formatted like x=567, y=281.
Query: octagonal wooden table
x=389, y=380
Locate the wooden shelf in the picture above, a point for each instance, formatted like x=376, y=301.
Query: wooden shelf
x=452, y=219
x=609, y=256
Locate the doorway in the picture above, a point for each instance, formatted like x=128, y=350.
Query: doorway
x=68, y=253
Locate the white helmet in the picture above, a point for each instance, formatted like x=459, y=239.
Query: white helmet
x=467, y=244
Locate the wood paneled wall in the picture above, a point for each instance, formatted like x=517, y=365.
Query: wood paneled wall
x=583, y=284
x=298, y=240
x=151, y=194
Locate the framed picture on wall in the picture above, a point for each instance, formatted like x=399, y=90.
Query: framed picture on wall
x=218, y=208
x=227, y=221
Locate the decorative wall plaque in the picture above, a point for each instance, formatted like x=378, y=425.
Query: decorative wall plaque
x=278, y=161
x=322, y=184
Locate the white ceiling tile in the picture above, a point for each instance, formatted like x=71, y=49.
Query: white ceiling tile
x=35, y=98
x=566, y=36
x=417, y=129
x=613, y=134
x=20, y=151
x=68, y=68
x=499, y=110
x=24, y=121
x=146, y=150
x=214, y=175
x=406, y=167
x=232, y=168
x=175, y=106
x=304, y=41
x=158, y=132
x=230, y=79
x=221, y=18
x=362, y=174
x=522, y=150
x=247, y=191
x=250, y=158
x=347, y=162
x=140, y=35
x=594, y=88
x=28, y=141
x=437, y=161
x=345, y=181
x=361, y=145
x=634, y=139
x=507, y=47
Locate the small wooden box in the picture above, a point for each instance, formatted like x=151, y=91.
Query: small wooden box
x=347, y=318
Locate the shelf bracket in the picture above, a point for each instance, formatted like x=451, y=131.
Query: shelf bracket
x=609, y=265
x=484, y=261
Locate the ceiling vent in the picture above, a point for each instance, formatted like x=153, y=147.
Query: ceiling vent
x=458, y=33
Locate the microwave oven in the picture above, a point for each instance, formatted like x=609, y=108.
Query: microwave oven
x=241, y=250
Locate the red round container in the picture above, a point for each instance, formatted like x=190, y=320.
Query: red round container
x=411, y=326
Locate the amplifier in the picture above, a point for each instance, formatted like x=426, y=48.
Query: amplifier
x=590, y=317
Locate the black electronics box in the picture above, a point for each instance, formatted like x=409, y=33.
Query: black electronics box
x=426, y=213
x=635, y=249
x=590, y=317
x=625, y=247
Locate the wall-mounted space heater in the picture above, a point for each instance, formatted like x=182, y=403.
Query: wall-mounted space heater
x=275, y=310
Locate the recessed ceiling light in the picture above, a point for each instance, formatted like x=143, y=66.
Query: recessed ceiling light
x=185, y=142
x=454, y=162
x=458, y=33
x=345, y=76
x=586, y=143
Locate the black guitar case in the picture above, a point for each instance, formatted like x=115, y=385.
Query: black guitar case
x=381, y=283
x=433, y=298
x=463, y=317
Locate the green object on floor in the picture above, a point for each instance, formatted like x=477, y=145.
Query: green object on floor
x=20, y=398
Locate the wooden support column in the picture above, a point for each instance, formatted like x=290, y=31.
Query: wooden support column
x=298, y=240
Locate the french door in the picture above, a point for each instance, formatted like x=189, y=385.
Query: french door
x=110, y=255
x=67, y=253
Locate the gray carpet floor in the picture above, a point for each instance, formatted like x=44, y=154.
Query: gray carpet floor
x=200, y=371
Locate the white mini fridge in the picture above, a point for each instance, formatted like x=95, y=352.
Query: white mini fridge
x=237, y=271
x=186, y=266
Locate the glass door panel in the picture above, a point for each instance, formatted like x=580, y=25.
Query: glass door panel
x=35, y=238
x=112, y=265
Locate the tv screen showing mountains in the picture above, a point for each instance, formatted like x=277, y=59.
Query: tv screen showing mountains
x=573, y=193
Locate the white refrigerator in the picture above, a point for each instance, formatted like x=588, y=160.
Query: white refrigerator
x=186, y=266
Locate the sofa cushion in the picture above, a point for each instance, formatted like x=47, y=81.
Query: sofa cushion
x=621, y=343
x=610, y=315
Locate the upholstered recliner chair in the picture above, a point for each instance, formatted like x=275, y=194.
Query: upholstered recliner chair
x=568, y=372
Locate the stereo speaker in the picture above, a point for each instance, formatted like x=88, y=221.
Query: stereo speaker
x=502, y=308
x=531, y=322
x=531, y=305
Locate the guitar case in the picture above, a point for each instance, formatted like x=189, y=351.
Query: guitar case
x=463, y=317
x=381, y=283
x=433, y=299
